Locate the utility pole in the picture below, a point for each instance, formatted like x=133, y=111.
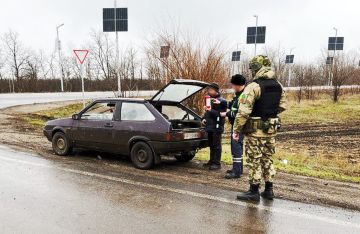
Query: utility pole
x=58, y=44
x=256, y=30
x=117, y=52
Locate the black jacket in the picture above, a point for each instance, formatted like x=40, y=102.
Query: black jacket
x=214, y=122
x=233, y=107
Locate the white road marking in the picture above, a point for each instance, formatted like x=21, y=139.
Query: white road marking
x=190, y=193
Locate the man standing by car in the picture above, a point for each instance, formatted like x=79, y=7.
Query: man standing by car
x=257, y=118
x=238, y=84
x=214, y=125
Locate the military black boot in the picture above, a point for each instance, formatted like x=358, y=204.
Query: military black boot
x=268, y=192
x=251, y=195
x=232, y=175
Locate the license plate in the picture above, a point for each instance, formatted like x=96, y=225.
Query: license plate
x=191, y=135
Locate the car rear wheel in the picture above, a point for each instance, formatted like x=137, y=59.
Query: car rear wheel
x=61, y=144
x=185, y=156
x=142, y=156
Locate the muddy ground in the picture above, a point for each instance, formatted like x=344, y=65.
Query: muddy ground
x=287, y=186
x=327, y=139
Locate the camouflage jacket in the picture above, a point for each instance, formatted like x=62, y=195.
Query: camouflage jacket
x=251, y=93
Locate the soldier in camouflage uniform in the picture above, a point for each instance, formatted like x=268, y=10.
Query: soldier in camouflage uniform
x=259, y=105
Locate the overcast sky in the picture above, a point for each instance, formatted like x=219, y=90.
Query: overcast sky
x=303, y=24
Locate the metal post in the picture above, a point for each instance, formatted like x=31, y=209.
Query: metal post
x=289, y=78
x=9, y=85
x=117, y=53
x=333, y=60
x=59, y=54
x=256, y=28
x=82, y=84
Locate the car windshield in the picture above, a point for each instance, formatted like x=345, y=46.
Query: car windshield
x=176, y=92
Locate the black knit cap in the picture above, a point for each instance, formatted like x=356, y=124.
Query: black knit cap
x=214, y=86
x=238, y=79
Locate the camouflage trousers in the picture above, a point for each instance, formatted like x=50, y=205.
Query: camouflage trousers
x=259, y=152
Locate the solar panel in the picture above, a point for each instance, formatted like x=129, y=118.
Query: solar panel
x=329, y=60
x=109, y=19
x=289, y=59
x=256, y=35
x=164, y=51
x=235, y=56
x=336, y=43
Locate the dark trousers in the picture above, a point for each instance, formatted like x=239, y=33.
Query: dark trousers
x=237, y=154
x=214, y=139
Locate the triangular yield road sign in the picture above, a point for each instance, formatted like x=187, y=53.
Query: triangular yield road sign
x=81, y=55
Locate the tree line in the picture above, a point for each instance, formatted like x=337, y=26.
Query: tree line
x=23, y=69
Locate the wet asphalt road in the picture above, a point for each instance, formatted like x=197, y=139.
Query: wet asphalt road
x=81, y=195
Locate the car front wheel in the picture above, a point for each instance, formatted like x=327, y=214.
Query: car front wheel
x=142, y=156
x=185, y=156
x=61, y=144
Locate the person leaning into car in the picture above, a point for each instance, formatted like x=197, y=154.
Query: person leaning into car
x=214, y=125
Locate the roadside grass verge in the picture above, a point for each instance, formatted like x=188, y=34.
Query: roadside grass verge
x=39, y=119
x=322, y=111
x=301, y=164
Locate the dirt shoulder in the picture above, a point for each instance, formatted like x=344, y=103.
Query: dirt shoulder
x=287, y=186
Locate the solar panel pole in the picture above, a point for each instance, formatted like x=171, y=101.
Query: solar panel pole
x=333, y=62
x=117, y=53
x=290, y=66
x=256, y=28
x=58, y=45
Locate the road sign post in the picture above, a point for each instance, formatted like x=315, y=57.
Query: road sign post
x=81, y=56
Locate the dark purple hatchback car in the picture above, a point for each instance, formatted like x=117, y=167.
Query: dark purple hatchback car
x=143, y=129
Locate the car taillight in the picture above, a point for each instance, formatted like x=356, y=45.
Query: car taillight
x=169, y=136
x=175, y=136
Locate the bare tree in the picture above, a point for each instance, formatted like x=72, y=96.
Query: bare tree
x=15, y=52
x=189, y=58
x=102, y=53
x=277, y=56
x=344, y=69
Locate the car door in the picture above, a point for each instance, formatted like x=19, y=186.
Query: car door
x=94, y=127
x=135, y=120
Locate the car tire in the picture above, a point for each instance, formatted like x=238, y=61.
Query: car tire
x=61, y=144
x=186, y=156
x=142, y=156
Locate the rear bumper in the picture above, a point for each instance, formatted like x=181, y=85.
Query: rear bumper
x=161, y=147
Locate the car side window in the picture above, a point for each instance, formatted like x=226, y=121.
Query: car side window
x=100, y=111
x=135, y=112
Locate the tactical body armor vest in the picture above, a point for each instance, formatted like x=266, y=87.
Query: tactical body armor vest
x=268, y=104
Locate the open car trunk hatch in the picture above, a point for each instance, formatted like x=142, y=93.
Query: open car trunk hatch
x=178, y=90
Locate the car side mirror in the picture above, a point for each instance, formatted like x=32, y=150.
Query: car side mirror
x=75, y=116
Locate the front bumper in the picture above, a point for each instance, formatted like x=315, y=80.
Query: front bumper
x=48, y=134
x=162, y=147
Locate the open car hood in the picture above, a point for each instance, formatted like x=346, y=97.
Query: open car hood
x=178, y=90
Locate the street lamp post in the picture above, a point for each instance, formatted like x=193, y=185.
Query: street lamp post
x=58, y=44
